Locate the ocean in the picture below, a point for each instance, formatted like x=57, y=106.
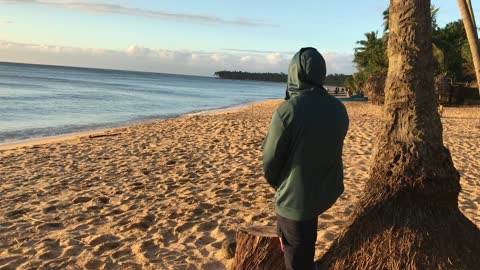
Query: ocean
x=39, y=101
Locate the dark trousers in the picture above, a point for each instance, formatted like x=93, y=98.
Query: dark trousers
x=298, y=238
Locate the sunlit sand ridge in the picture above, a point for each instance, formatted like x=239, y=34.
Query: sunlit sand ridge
x=166, y=194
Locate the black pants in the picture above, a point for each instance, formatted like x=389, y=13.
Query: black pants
x=298, y=238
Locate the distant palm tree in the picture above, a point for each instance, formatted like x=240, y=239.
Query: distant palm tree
x=370, y=56
x=371, y=38
x=472, y=35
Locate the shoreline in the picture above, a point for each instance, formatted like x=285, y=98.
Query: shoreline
x=11, y=145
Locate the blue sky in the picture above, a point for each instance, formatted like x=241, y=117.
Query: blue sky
x=188, y=36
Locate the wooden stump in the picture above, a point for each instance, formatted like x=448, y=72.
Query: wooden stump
x=258, y=248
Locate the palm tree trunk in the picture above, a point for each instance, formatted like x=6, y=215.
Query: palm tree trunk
x=469, y=23
x=472, y=15
x=408, y=217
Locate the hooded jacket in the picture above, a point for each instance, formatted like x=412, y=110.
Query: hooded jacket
x=302, y=153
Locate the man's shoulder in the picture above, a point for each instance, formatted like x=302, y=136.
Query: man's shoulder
x=339, y=104
x=285, y=107
x=336, y=104
x=285, y=111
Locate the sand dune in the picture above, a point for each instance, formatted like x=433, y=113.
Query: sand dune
x=165, y=194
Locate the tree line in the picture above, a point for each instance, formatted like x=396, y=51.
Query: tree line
x=451, y=51
x=331, y=79
x=250, y=76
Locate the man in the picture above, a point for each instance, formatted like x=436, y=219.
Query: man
x=302, y=156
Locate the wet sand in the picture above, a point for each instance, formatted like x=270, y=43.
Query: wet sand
x=166, y=194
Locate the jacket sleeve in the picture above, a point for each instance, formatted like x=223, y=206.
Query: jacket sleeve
x=275, y=151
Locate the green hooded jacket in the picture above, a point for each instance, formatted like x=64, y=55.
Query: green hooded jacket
x=302, y=153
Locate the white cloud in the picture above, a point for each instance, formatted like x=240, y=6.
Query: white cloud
x=138, y=51
x=271, y=62
x=257, y=51
x=274, y=58
x=137, y=57
x=105, y=8
x=246, y=59
x=216, y=57
x=338, y=62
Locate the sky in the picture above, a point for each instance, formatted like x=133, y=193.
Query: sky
x=191, y=36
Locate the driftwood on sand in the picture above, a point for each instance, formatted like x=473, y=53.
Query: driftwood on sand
x=93, y=136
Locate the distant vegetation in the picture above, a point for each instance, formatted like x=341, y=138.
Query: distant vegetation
x=241, y=75
x=331, y=79
x=451, y=51
x=337, y=79
x=452, y=56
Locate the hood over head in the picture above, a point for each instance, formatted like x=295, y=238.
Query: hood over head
x=306, y=72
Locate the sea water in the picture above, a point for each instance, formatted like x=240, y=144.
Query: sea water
x=39, y=101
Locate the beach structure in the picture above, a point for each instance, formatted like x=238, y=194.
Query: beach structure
x=447, y=93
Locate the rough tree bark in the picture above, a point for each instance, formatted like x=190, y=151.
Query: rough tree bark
x=408, y=217
x=471, y=30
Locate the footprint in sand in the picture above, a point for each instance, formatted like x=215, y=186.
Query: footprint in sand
x=121, y=253
x=145, y=251
x=11, y=262
x=198, y=211
x=100, y=239
x=217, y=209
x=145, y=171
x=232, y=212
x=329, y=236
x=234, y=199
x=246, y=204
x=16, y=213
x=326, y=217
x=204, y=240
x=48, y=255
x=49, y=249
x=102, y=248
x=93, y=263
x=240, y=186
x=137, y=186
x=81, y=200
x=184, y=227
x=72, y=251
x=206, y=206
x=170, y=162
x=49, y=209
x=348, y=211
x=142, y=223
x=50, y=226
x=103, y=200
x=207, y=226
x=116, y=212
x=260, y=216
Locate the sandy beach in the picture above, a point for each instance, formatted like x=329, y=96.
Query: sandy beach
x=166, y=194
